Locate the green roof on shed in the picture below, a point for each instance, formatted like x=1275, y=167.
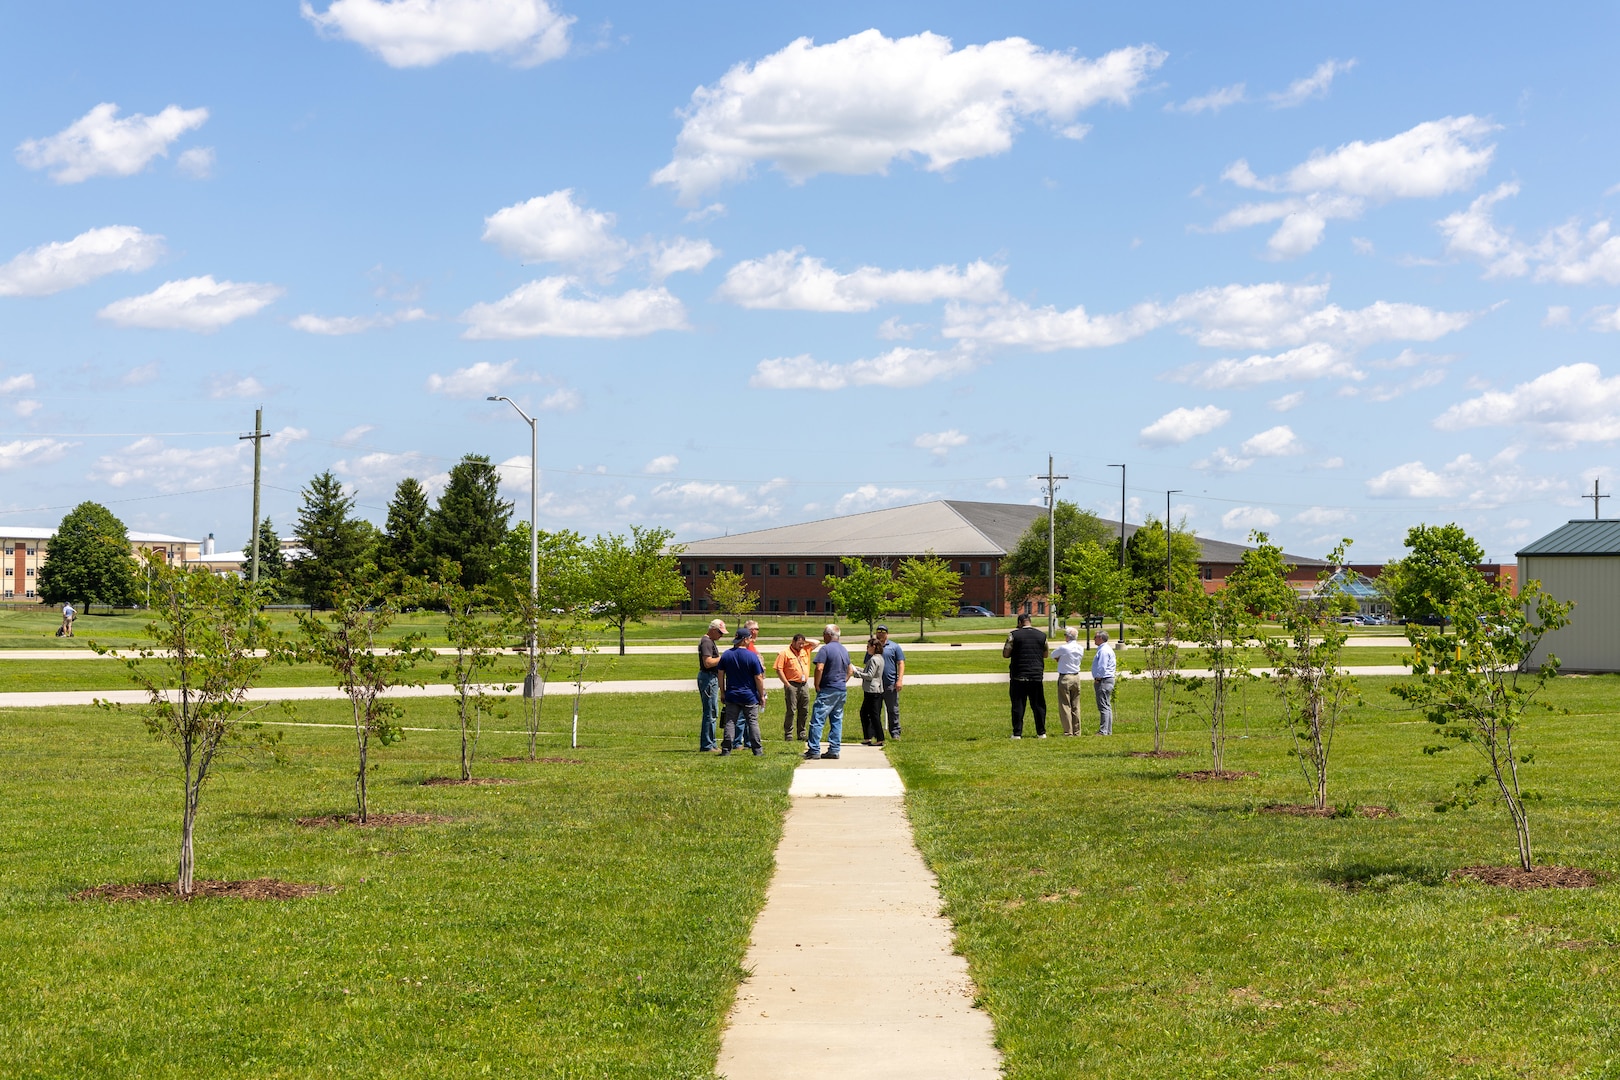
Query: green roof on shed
x=1584, y=536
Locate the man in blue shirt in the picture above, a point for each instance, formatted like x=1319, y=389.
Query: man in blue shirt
x=832, y=678
x=894, y=678
x=742, y=688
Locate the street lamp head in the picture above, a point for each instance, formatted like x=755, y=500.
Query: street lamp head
x=493, y=397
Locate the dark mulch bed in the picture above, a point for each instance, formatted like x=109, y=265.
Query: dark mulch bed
x=1542, y=877
x=256, y=889
x=450, y=781
x=1304, y=810
x=541, y=761
x=1159, y=755
x=1217, y=774
x=372, y=820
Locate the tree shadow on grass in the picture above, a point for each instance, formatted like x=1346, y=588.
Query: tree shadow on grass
x=1380, y=876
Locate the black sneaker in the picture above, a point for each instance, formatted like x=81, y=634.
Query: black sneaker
x=759, y=753
x=725, y=753
x=810, y=755
x=829, y=757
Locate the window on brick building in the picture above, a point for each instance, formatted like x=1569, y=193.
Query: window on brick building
x=686, y=569
x=736, y=568
x=755, y=571
x=703, y=605
x=793, y=569
x=776, y=605
x=829, y=569
x=984, y=569
x=809, y=605
x=776, y=569
x=793, y=605
x=964, y=568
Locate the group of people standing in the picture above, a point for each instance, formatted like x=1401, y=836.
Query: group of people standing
x=815, y=684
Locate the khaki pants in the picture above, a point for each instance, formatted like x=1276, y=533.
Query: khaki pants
x=1069, y=703
x=796, y=706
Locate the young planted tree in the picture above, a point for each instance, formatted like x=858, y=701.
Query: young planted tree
x=729, y=594
x=88, y=560
x=1260, y=579
x=1091, y=581
x=1156, y=628
x=1222, y=626
x=196, y=672
x=348, y=642
x=470, y=520
x=1478, y=687
x=928, y=588
x=1314, y=689
x=334, y=539
x=629, y=578
x=863, y=593
x=556, y=615
x=478, y=628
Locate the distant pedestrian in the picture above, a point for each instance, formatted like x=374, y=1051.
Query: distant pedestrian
x=1103, y=669
x=872, y=694
x=708, y=681
x=894, y=678
x=832, y=681
x=742, y=687
x=1026, y=648
x=796, y=668
x=1069, y=656
x=68, y=615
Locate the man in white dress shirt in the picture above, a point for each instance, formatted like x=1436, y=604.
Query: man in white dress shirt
x=1069, y=656
x=1103, y=668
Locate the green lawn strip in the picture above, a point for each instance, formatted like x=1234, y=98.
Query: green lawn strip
x=1120, y=922
x=105, y=674
x=588, y=920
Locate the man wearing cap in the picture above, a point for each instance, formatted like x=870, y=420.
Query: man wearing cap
x=708, y=680
x=795, y=668
x=1026, y=648
x=832, y=678
x=1069, y=656
x=1103, y=670
x=894, y=678
x=742, y=687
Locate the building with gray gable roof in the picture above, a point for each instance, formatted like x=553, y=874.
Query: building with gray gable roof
x=788, y=564
x=1580, y=561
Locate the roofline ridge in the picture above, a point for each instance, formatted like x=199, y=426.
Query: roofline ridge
x=951, y=505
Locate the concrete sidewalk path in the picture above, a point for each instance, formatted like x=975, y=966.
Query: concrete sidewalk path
x=854, y=976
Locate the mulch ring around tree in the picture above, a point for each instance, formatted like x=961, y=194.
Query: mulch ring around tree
x=1217, y=774
x=1159, y=754
x=541, y=761
x=1542, y=877
x=1305, y=810
x=372, y=820
x=256, y=889
x=450, y=781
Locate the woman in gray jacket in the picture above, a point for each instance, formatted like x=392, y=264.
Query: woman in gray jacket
x=872, y=695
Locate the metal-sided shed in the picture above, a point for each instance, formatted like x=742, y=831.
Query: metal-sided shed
x=1580, y=561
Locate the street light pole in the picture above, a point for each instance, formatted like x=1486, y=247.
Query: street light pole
x=1121, y=469
x=532, y=679
x=1167, y=548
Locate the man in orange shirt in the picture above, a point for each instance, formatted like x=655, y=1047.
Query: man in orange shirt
x=794, y=667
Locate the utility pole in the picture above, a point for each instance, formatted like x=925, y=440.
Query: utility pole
x=1595, y=497
x=1167, y=546
x=258, y=438
x=1051, y=479
x=1121, y=469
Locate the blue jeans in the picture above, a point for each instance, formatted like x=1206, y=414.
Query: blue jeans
x=709, y=690
x=829, y=707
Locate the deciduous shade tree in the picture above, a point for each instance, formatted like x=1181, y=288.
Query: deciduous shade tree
x=563, y=582
x=1026, y=566
x=347, y=642
x=1156, y=627
x=632, y=577
x=1260, y=580
x=196, y=671
x=336, y=542
x=1477, y=688
x=863, y=593
x=729, y=594
x=1310, y=681
x=405, y=549
x=1221, y=624
x=1144, y=557
x=470, y=520
x=1442, y=565
x=928, y=588
x=88, y=560
x=1091, y=581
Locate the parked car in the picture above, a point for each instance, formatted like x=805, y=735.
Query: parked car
x=974, y=611
x=1349, y=620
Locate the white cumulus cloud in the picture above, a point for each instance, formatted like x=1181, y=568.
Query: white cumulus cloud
x=420, y=33
x=477, y=380
x=678, y=256
x=225, y=386
x=64, y=264
x=544, y=308
x=900, y=368
x=873, y=497
x=1279, y=441
x=197, y=163
x=1473, y=234
x=793, y=281
x=200, y=304
x=19, y=453
x=664, y=463
x=1247, y=518
x=1568, y=405
x=1047, y=328
x=1433, y=158
x=554, y=228
x=1212, y=102
x=340, y=325
x=1314, y=85
x=100, y=144
x=1314, y=361
x=1180, y=425
x=856, y=105
x=940, y=443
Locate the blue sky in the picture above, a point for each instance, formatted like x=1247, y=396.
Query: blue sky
x=1330, y=275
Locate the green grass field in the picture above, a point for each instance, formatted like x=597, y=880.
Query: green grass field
x=1123, y=923
x=588, y=920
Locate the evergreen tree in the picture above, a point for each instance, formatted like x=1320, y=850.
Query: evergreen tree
x=405, y=540
x=272, y=563
x=336, y=541
x=88, y=560
x=469, y=523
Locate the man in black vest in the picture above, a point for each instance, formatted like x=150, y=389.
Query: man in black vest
x=1026, y=648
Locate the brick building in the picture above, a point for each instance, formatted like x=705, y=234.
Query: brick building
x=23, y=549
